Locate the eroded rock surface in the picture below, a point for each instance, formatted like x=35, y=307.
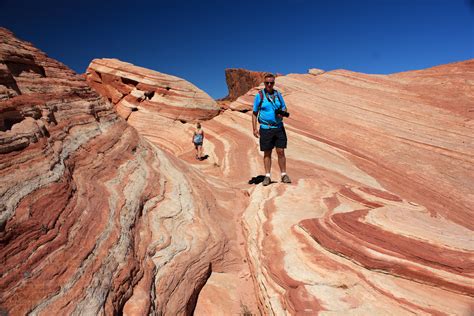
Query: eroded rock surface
x=94, y=219
x=378, y=219
x=240, y=81
x=135, y=89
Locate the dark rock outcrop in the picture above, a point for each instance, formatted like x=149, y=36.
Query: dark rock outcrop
x=240, y=81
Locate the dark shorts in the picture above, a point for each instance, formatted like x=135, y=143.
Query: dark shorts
x=272, y=137
x=198, y=144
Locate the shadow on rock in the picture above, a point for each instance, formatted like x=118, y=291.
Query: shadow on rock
x=257, y=179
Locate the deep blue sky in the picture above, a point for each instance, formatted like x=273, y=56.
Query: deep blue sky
x=197, y=40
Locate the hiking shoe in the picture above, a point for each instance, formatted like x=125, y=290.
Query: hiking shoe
x=285, y=179
x=266, y=181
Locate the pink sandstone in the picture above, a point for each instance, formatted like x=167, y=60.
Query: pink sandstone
x=377, y=220
x=131, y=88
x=94, y=219
x=378, y=217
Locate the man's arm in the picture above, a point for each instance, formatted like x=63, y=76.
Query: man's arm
x=254, y=124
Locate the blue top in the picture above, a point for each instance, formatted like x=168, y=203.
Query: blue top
x=271, y=102
x=197, y=138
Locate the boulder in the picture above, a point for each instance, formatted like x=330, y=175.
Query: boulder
x=315, y=71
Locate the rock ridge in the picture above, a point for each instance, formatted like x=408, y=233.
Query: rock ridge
x=131, y=88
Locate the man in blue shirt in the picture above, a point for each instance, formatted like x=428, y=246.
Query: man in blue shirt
x=272, y=131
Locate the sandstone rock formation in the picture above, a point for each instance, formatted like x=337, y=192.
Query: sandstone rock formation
x=94, y=220
x=378, y=219
x=240, y=81
x=131, y=88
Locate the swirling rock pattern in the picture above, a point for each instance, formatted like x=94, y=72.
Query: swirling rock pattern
x=94, y=219
x=378, y=219
x=135, y=89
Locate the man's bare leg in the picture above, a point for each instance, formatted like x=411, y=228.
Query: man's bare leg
x=281, y=159
x=267, y=160
x=282, y=163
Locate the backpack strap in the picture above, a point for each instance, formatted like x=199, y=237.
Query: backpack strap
x=260, y=92
x=279, y=98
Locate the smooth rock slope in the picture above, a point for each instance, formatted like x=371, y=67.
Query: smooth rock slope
x=378, y=219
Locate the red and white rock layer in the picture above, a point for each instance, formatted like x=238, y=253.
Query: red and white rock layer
x=131, y=88
x=378, y=219
x=94, y=219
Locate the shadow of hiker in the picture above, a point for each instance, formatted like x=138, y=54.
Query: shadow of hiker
x=257, y=179
x=204, y=157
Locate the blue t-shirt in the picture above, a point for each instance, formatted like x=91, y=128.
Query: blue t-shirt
x=267, y=117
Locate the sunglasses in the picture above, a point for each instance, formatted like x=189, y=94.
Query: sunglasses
x=269, y=82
